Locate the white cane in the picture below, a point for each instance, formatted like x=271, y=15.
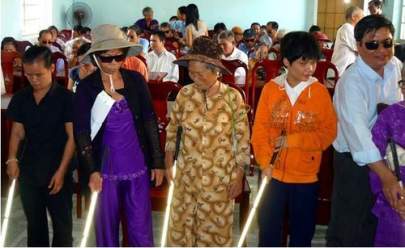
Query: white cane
x=265, y=181
x=89, y=219
x=4, y=226
x=171, y=190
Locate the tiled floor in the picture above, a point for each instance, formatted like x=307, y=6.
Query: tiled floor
x=17, y=228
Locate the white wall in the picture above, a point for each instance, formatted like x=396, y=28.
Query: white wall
x=290, y=14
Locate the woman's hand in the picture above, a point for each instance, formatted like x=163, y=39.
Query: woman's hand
x=236, y=186
x=13, y=170
x=157, y=175
x=95, y=182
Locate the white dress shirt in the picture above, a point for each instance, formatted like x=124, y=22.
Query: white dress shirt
x=240, y=73
x=357, y=94
x=163, y=63
x=344, y=52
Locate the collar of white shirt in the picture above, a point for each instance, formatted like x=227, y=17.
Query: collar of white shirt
x=294, y=92
x=371, y=75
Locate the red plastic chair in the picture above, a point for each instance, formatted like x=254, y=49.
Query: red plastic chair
x=327, y=52
x=7, y=65
x=22, y=46
x=232, y=65
x=321, y=73
x=142, y=59
x=65, y=78
x=272, y=69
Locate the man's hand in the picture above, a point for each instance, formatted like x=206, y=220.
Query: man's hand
x=95, y=182
x=236, y=186
x=56, y=183
x=157, y=175
x=13, y=171
x=391, y=189
x=267, y=172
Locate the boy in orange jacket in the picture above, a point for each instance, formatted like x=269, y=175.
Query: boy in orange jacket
x=299, y=105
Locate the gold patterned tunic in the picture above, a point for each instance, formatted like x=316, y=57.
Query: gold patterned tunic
x=215, y=141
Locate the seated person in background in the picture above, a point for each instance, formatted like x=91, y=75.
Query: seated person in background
x=79, y=32
x=264, y=38
x=179, y=25
x=226, y=41
x=73, y=61
x=82, y=70
x=58, y=42
x=9, y=44
x=45, y=40
x=237, y=34
x=161, y=60
x=256, y=28
x=86, y=33
x=134, y=35
x=276, y=40
x=218, y=28
x=147, y=24
x=171, y=42
x=249, y=42
x=322, y=39
x=272, y=29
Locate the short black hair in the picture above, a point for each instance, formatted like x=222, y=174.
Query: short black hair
x=136, y=29
x=8, y=40
x=38, y=53
x=299, y=44
x=165, y=25
x=147, y=9
x=273, y=24
x=160, y=34
x=53, y=28
x=372, y=23
x=78, y=28
x=254, y=23
x=314, y=28
x=43, y=31
x=377, y=3
x=85, y=30
x=182, y=10
x=218, y=27
x=83, y=48
x=173, y=18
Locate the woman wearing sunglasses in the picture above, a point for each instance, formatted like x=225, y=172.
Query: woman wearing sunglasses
x=117, y=135
x=390, y=125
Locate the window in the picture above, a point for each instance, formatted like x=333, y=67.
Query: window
x=36, y=15
x=402, y=32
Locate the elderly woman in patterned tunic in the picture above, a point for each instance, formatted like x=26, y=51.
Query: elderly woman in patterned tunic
x=214, y=149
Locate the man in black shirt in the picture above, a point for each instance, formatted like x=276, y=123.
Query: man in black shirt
x=41, y=147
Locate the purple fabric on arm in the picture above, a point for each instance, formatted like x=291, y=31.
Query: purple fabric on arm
x=391, y=228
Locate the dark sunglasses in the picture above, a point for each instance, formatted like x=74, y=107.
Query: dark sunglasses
x=373, y=45
x=166, y=32
x=401, y=84
x=131, y=36
x=109, y=59
x=250, y=40
x=47, y=42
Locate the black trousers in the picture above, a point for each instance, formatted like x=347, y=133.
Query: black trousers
x=35, y=201
x=300, y=200
x=352, y=222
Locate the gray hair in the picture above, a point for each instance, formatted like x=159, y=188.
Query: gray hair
x=226, y=35
x=212, y=68
x=350, y=12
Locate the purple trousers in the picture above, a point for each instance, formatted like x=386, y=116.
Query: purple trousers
x=132, y=198
x=125, y=191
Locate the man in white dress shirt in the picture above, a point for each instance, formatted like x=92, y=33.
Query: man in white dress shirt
x=226, y=40
x=372, y=79
x=345, y=50
x=161, y=60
